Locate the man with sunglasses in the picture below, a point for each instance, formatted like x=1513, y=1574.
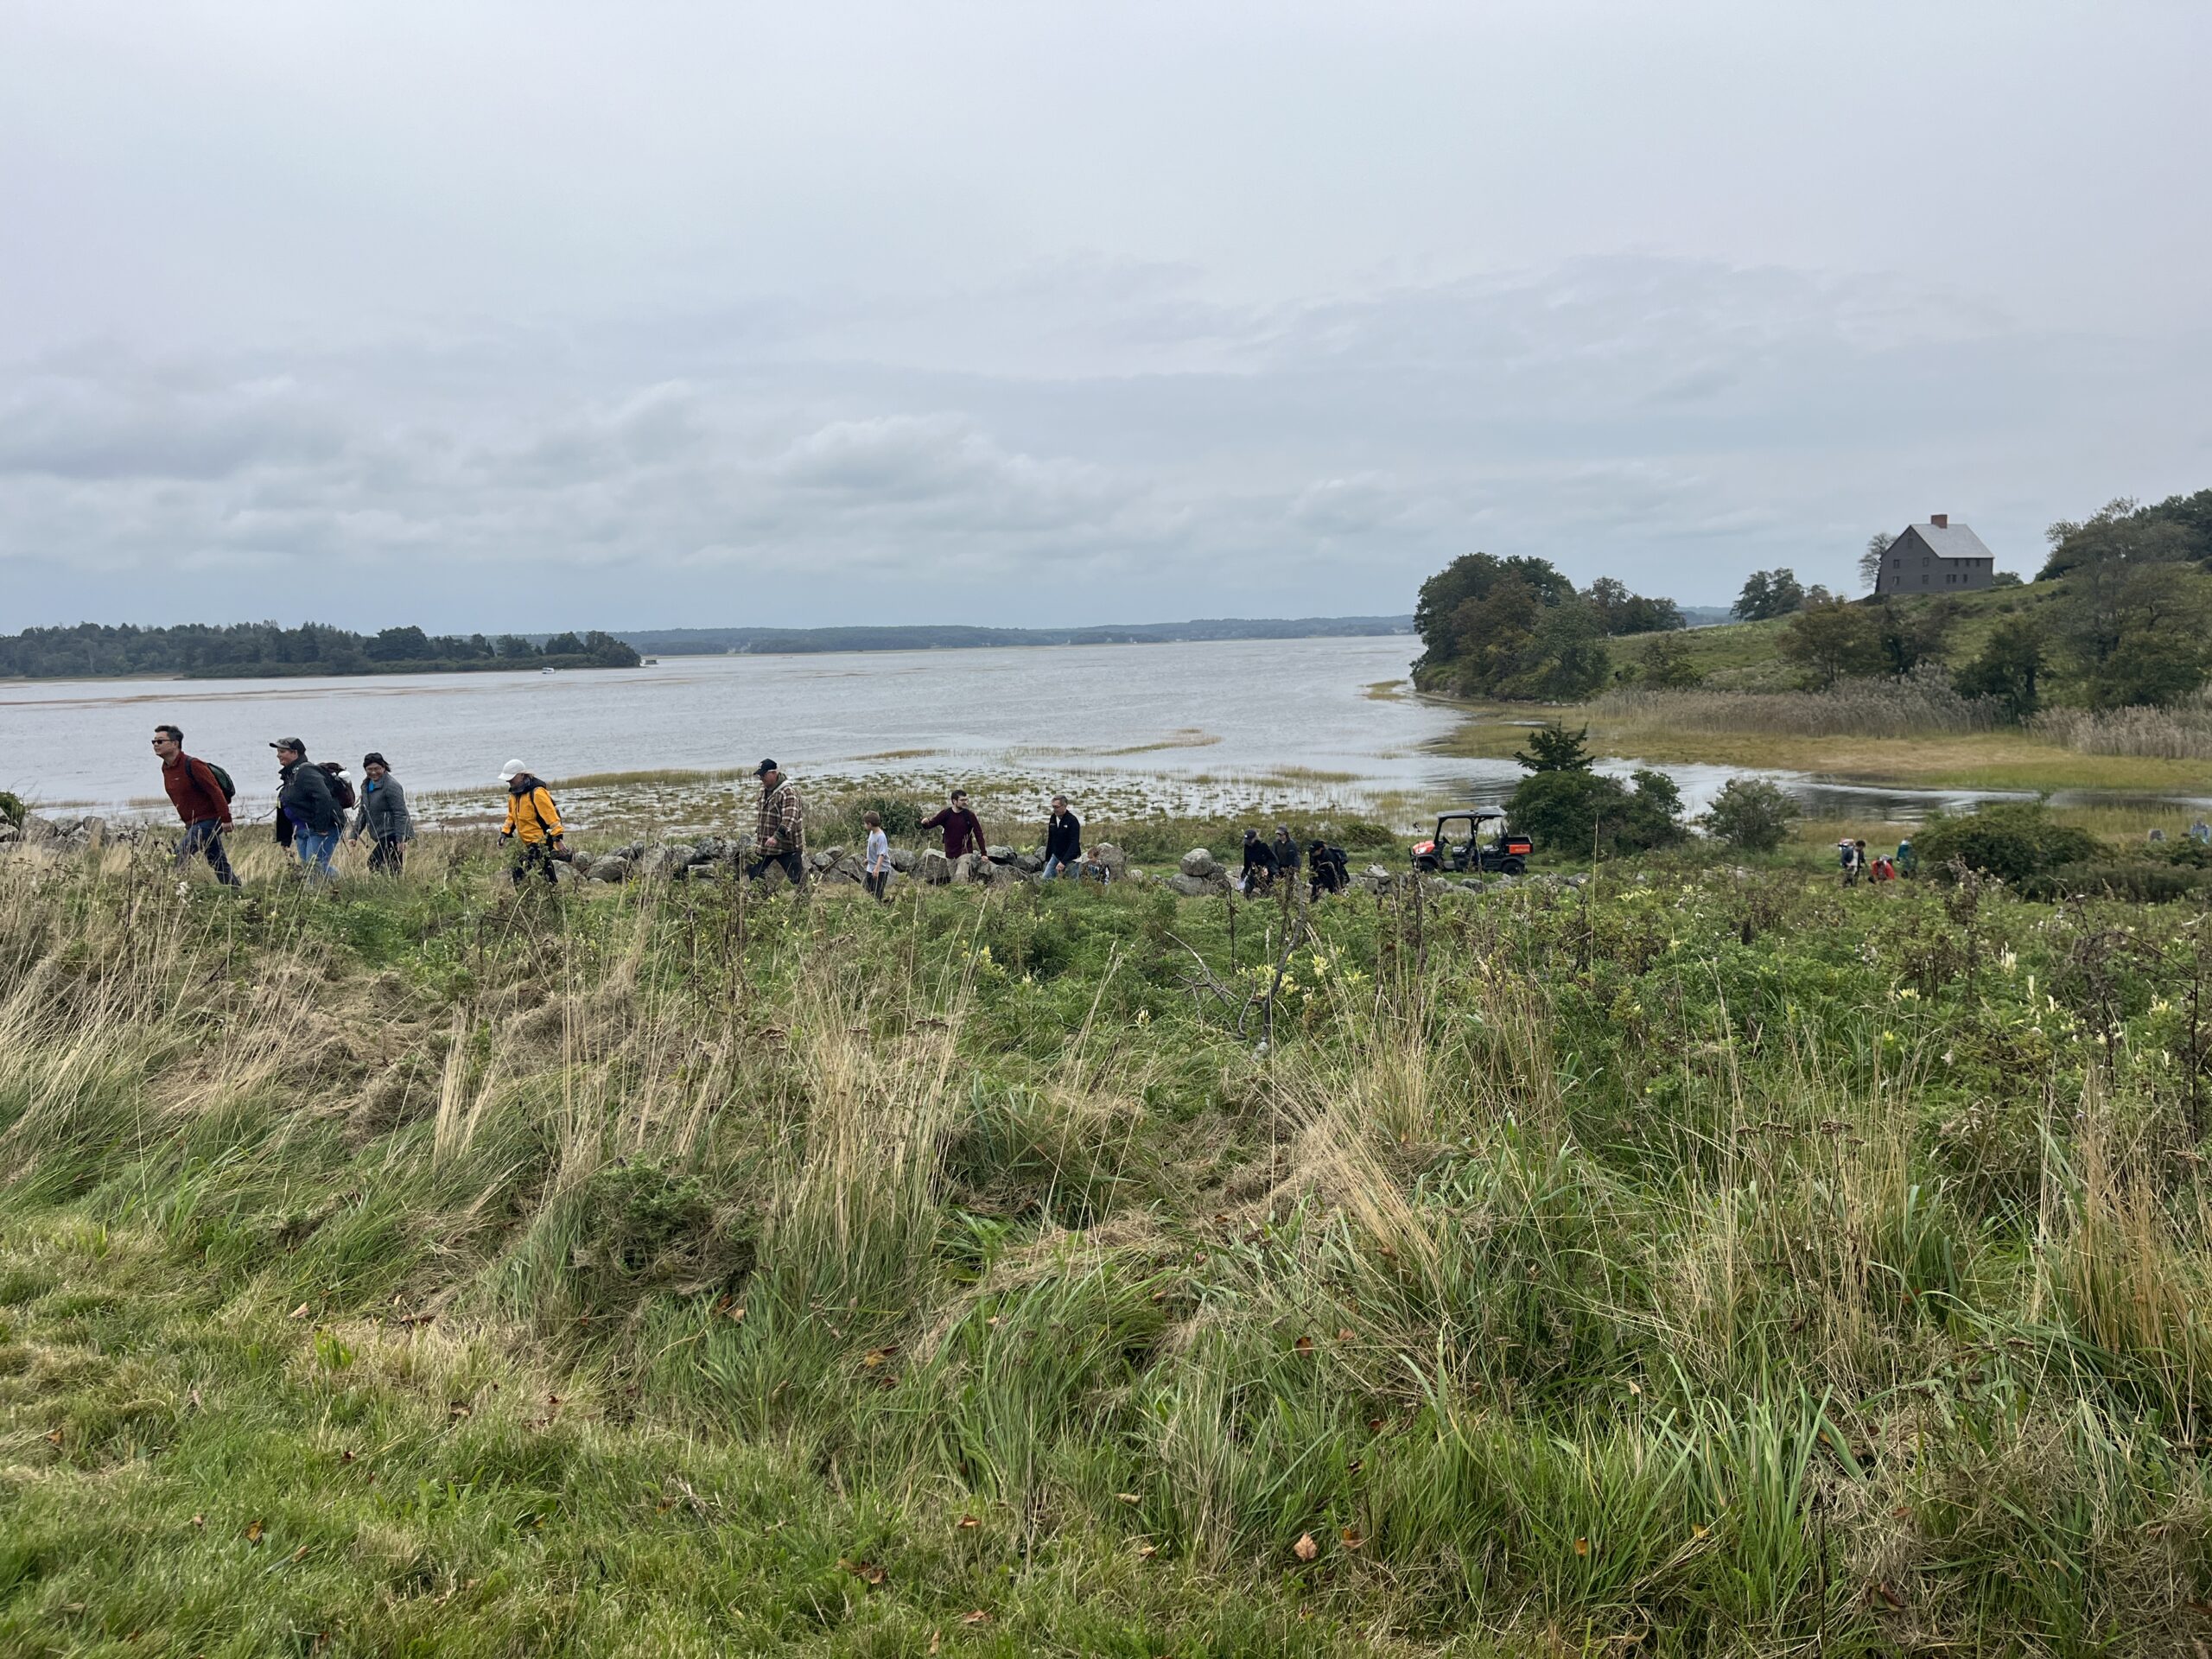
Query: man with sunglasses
x=202, y=804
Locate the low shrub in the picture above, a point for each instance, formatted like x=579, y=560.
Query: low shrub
x=1567, y=812
x=2016, y=842
x=1750, y=814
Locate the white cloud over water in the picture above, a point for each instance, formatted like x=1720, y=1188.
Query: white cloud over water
x=527, y=318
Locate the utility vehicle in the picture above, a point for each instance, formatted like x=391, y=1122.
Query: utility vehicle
x=1474, y=838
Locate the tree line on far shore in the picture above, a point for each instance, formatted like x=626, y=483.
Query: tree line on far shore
x=266, y=650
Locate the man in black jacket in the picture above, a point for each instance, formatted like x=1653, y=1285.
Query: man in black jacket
x=1286, y=852
x=1327, y=864
x=1063, y=841
x=1259, y=864
x=305, y=803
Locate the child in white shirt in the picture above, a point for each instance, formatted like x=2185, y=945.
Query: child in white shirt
x=879, y=857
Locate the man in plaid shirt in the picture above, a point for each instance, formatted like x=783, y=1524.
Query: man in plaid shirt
x=781, y=834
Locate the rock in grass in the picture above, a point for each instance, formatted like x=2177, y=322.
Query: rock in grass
x=611, y=867
x=1199, y=863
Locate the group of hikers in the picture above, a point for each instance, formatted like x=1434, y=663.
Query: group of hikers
x=1859, y=865
x=315, y=798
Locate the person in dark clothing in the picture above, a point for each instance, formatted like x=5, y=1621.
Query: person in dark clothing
x=1259, y=873
x=964, y=830
x=304, y=801
x=384, y=816
x=202, y=805
x=1327, y=866
x=1063, y=841
x=1286, y=852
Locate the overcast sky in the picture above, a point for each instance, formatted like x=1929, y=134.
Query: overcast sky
x=564, y=314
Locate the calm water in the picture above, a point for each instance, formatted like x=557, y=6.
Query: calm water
x=1230, y=722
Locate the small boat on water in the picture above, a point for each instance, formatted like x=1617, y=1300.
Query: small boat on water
x=549, y=670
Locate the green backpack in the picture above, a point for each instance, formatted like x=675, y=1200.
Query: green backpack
x=229, y=790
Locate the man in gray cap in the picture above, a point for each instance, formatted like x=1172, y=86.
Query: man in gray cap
x=304, y=800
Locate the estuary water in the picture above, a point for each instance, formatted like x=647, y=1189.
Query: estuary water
x=1228, y=725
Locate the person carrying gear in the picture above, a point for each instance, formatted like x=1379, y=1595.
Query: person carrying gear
x=306, y=808
x=1259, y=871
x=1908, y=859
x=202, y=798
x=1331, y=873
x=780, y=834
x=1286, y=852
x=533, y=824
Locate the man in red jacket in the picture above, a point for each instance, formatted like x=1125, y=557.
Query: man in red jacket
x=201, y=804
x=964, y=830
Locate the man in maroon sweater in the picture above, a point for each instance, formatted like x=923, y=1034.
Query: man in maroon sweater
x=201, y=804
x=964, y=830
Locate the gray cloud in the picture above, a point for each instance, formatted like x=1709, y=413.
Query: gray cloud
x=768, y=319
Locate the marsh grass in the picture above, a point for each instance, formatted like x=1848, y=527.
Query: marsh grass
x=1705, y=1262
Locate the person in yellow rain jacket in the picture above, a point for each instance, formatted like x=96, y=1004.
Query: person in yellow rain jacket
x=533, y=823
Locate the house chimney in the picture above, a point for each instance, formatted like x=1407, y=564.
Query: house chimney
x=1941, y=520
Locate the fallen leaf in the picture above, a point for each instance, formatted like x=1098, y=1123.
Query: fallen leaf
x=55, y=1439
x=875, y=1356
x=1128, y=1497
x=1701, y=1532
x=192, y=1399
x=1306, y=1550
x=867, y=1572
x=1353, y=1537
x=1635, y=1387
x=300, y=1554
x=346, y=1456
x=736, y=1315
x=1148, y=1551
x=1375, y=1424
x=979, y=1616
x=933, y=1640
x=1889, y=1595
x=1355, y=1465
x=1158, y=1296
x=1304, y=1345
x=1344, y=1333
x=1582, y=1546
x=200, y=1521
x=299, y=1312
x=253, y=1532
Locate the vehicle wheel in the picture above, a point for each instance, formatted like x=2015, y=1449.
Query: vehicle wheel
x=1515, y=866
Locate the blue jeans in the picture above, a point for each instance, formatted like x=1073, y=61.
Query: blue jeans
x=207, y=837
x=314, y=851
x=1056, y=868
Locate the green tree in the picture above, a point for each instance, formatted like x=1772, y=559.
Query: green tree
x=1441, y=616
x=2123, y=531
x=1568, y=812
x=564, y=645
x=1912, y=631
x=2137, y=632
x=1768, y=594
x=1553, y=748
x=1832, y=641
x=2010, y=667
x=1750, y=814
x=1667, y=665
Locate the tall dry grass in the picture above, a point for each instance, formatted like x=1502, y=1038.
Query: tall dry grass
x=2180, y=732
x=1920, y=703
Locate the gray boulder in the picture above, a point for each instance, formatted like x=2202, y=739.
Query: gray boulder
x=611, y=867
x=1190, y=887
x=1029, y=863
x=663, y=863
x=1115, y=860
x=999, y=854
x=1199, y=863
x=903, y=861
x=845, y=867
x=9, y=832
x=709, y=849
x=968, y=868
x=930, y=867
x=38, y=830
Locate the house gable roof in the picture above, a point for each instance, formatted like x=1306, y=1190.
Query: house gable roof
x=1949, y=540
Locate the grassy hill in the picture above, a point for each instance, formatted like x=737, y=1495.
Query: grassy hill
x=1715, y=1261
x=1746, y=656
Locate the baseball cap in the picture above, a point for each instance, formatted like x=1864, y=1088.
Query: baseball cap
x=291, y=743
x=512, y=771
x=763, y=769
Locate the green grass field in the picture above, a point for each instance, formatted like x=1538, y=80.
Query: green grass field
x=1702, y=1261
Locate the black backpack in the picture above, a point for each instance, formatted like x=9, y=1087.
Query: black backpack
x=222, y=779
x=340, y=791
